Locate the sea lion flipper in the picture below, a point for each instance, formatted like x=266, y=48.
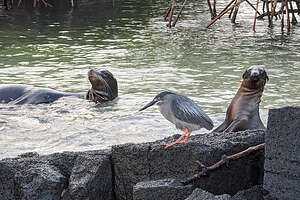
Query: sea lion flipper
x=220, y=128
x=237, y=125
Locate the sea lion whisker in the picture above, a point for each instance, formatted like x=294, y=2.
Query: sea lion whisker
x=98, y=96
x=101, y=93
x=106, y=85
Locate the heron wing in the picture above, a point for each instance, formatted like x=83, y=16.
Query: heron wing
x=188, y=111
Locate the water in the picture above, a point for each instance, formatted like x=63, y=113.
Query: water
x=55, y=49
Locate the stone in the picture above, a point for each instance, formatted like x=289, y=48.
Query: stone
x=199, y=194
x=30, y=178
x=7, y=185
x=282, y=150
x=64, y=161
x=165, y=189
x=131, y=165
x=253, y=193
x=91, y=177
x=63, y=176
x=135, y=163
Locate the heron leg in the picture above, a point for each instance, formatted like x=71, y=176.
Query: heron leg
x=187, y=137
x=180, y=139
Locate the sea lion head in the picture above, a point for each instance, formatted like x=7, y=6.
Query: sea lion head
x=104, y=86
x=255, y=78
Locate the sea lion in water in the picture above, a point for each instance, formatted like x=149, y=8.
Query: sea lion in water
x=104, y=88
x=243, y=111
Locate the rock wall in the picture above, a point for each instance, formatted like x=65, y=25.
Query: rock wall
x=135, y=163
x=166, y=189
x=149, y=170
x=282, y=164
x=112, y=174
x=64, y=176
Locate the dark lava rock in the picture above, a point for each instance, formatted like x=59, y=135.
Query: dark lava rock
x=282, y=164
x=63, y=161
x=199, y=194
x=135, y=163
x=166, y=189
x=62, y=176
x=28, y=177
x=91, y=177
x=254, y=193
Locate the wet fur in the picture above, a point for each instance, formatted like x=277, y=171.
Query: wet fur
x=104, y=88
x=243, y=111
x=106, y=91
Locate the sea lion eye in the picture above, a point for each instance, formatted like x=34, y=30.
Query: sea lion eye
x=246, y=73
x=104, y=73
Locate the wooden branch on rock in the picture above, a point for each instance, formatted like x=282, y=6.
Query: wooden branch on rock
x=225, y=160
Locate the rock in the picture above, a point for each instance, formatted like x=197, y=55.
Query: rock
x=63, y=161
x=7, y=185
x=91, y=177
x=199, y=194
x=135, y=163
x=131, y=166
x=28, y=177
x=254, y=193
x=282, y=163
x=63, y=176
x=166, y=189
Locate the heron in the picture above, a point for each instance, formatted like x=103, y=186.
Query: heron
x=181, y=111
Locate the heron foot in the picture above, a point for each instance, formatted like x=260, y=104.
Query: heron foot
x=173, y=143
x=180, y=139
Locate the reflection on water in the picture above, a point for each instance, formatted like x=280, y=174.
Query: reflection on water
x=56, y=49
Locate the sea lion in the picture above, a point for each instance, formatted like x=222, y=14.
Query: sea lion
x=243, y=111
x=104, y=88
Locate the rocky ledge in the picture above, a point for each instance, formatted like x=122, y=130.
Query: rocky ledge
x=149, y=171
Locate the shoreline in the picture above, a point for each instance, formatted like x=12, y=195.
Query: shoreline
x=145, y=170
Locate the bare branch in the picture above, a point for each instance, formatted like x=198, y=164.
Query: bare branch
x=225, y=160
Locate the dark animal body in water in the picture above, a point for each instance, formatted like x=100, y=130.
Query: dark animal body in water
x=243, y=111
x=104, y=88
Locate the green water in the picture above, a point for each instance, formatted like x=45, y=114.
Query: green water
x=55, y=49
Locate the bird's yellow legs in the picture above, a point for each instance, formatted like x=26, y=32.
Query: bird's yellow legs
x=186, y=133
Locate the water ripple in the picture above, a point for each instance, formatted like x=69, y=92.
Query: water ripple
x=56, y=50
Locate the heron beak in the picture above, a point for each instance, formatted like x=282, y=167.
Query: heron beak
x=154, y=101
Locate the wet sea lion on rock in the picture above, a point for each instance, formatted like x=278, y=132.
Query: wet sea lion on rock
x=104, y=88
x=243, y=111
